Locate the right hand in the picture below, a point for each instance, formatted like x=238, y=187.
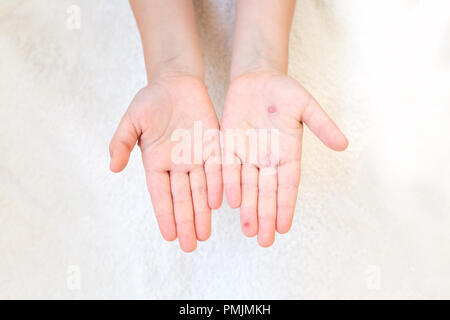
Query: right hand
x=182, y=194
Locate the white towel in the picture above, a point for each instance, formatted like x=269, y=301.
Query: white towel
x=371, y=222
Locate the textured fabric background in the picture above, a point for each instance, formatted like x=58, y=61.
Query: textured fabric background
x=372, y=222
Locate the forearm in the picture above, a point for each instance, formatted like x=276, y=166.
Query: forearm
x=261, y=36
x=169, y=37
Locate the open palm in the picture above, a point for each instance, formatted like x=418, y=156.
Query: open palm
x=182, y=192
x=266, y=189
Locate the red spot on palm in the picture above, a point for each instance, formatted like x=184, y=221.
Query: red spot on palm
x=272, y=109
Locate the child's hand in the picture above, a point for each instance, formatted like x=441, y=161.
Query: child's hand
x=266, y=191
x=182, y=194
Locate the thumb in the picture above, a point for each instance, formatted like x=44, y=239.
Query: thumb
x=322, y=126
x=122, y=144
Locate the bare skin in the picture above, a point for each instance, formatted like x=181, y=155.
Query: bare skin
x=182, y=193
x=261, y=95
x=271, y=101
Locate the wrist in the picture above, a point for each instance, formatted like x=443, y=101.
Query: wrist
x=259, y=65
x=170, y=45
x=258, y=50
x=261, y=36
x=175, y=65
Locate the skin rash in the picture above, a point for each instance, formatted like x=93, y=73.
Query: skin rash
x=272, y=109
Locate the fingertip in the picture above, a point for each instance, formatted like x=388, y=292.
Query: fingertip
x=343, y=144
x=167, y=227
x=203, y=234
x=266, y=241
x=120, y=156
x=323, y=126
x=215, y=202
x=249, y=234
x=214, y=184
x=215, y=196
x=112, y=164
x=284, y=228
x=188, y=247
x=117, y=165
x=284, y=219
x=338, y=142
x=233, y=197
x=335, y=139
x=170, y=237
x=114, y=168
x=249, y=225
x=203, y=225
x=232, y=183
x=122, y=143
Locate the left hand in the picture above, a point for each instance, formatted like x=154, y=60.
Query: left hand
x=266, y=191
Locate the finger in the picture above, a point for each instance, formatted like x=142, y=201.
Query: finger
x=232, y=182
x=158, y=184
x=249, y=185
x=213, y=167
x=323, y=127
x=267, y=205
x=182, y=205
x=122, y=144
x=288, y=181
x=202, y=212
x=214, y=183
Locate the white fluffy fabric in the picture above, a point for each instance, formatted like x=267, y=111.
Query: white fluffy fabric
x=371, y=222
